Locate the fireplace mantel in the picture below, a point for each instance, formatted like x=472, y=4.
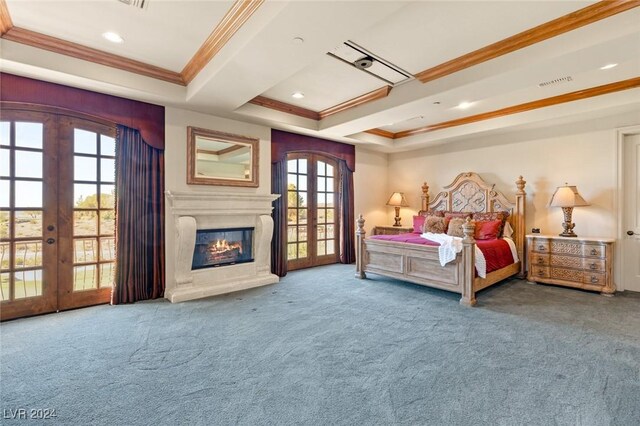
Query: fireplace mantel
x=206, y=210
x=206, y=203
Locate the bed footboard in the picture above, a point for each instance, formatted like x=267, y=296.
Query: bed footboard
x=417, y=263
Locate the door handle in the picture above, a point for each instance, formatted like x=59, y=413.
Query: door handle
x=630, y=233
x=51, y=240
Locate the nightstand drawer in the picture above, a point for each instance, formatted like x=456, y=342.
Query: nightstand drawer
x=540, y=259
x=592, y=250
x=595, y=265
x=540, y=245
x=567, y=262
x=566, y=247
x=594, y=278
x=540, y=271
x=566, y=274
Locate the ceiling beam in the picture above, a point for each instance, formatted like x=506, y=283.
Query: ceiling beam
x=585, y=16
x=380, y=93
x=5, y=19
x=63, y=47
x=285, y=107
x=239, y=13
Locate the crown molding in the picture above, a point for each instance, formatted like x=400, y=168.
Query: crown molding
x=380, y=93
x=5, y=18
x=56, y=45
x=285, y=107
x=618, y=86
x=239, y=13
x=381, y=132
x=585, y=16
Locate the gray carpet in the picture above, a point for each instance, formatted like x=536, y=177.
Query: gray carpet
x=321, y=347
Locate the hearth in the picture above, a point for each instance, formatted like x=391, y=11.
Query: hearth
x=219, y=247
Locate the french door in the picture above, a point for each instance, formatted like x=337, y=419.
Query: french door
x=312, y=211
x=57, y=221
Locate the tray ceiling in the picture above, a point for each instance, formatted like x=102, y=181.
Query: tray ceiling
x=280, y=48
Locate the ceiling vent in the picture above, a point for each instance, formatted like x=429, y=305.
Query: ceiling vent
x=556, y=81
x=359, y=57
x=138, y=4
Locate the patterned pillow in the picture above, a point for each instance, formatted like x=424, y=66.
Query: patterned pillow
x=455, y=227
x=436, y=213
x=463, y=215
x=487, y=229
x=501, y=216
x=435, y=225
x=418, y=223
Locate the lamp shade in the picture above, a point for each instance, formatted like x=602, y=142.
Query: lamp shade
x=397, y=200
x=567, y=196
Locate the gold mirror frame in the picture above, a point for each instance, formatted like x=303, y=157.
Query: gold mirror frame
x=213, y=177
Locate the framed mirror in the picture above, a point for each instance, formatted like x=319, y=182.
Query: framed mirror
x=217, y=158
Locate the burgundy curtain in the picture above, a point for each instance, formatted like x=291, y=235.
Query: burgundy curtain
x=347, y=217
x=279, y=241
x=140, y=252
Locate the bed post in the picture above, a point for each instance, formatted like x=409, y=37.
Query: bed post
x=360, y=247
x=521, y=197
x=468, y=255
x=425, y=197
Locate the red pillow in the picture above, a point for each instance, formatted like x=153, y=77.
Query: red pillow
x=487, y=229
x=418, y=223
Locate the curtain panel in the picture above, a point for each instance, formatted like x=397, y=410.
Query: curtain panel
x=140, y=260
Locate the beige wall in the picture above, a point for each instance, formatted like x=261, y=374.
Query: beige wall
x=371, y=187
x=587, y=160
x=176, y=122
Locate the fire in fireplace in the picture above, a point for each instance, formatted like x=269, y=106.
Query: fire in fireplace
x=217, y=247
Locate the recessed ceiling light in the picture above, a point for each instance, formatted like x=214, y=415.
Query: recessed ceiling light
x=464, y=105
x=113, y=37
x=298, y=40
x=297, y=95
x=608, y=66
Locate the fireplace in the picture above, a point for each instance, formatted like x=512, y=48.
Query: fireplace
x=218, y=247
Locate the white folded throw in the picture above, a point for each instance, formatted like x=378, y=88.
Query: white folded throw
x=451, y=246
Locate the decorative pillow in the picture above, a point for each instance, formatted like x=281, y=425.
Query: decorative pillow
x=455, y=227
x=436, y=213
x=501, y=216
x=487, y=229
x=462, y=215
x=418, y=223
x=435, y=225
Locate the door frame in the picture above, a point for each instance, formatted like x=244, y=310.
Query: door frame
x=312, y=225
x=621, y=133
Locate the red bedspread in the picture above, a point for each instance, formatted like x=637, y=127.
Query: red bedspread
x=497, y=253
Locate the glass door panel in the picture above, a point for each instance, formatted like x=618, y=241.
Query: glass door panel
x=28, y=264
x=311, y=211
x=88, y=202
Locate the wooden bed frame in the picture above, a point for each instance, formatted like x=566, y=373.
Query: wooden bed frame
x=419, y=264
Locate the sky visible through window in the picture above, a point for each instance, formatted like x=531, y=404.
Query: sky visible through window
x=29, y=164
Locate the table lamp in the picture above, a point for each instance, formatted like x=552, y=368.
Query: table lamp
x=397, y=200
x=567, y=197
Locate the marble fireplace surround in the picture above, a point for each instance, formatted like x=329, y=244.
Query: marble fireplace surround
x=196, y=210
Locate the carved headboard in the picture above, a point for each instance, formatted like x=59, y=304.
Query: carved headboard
x=470, y=193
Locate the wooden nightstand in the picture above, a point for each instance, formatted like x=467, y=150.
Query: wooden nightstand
x=584, y=263
x=391, y=230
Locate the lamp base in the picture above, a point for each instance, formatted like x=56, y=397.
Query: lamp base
x=567, y=224
x=397, y=218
